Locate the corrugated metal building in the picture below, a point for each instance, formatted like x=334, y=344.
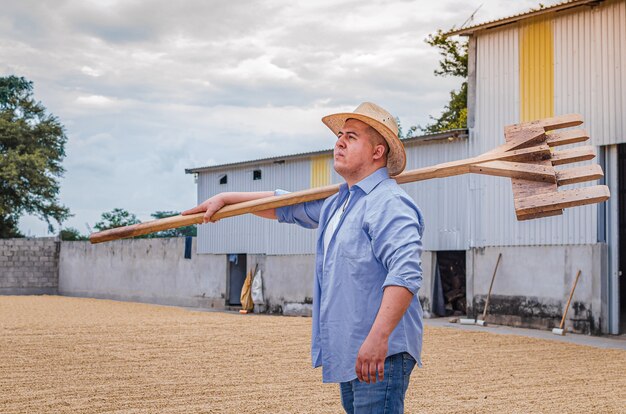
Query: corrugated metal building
x=568, y=58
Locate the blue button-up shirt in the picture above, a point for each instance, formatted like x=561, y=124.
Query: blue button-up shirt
x=377, y=243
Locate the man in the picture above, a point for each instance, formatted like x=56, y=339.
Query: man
x=367, y=318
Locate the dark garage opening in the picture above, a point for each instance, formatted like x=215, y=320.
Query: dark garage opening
x=236, y=277
x=449, y=296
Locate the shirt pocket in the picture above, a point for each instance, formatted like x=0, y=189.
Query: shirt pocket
x=353, y=242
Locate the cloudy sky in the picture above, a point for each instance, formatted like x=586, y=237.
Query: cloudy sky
x=148, y=88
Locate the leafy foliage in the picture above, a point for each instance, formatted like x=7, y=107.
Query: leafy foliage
x=410, y=133
x=117, y=217
x=72, y=234
x=32, y=146
x=453, y=63
x=454, y=53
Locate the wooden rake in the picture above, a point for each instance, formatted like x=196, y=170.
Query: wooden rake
x=527, y=157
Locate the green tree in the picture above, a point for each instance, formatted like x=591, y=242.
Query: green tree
x=453, y=63
x=179, y=232
x=117, y=217
x=72, y=234
x=32, y=146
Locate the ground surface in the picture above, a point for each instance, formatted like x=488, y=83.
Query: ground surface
x=67, y=355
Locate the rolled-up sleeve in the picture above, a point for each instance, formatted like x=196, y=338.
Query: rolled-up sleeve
x=306, y=214
x=396, y=237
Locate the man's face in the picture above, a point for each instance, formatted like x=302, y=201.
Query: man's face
x=354, y=150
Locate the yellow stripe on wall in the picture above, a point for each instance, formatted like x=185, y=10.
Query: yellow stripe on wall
x=536, y=69
x=320, y=170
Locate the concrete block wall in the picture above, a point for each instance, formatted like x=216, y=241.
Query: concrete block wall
x=29, y=266
x=143, y=270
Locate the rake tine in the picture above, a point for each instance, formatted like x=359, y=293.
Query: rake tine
x=524, y=138
x=567, y=137
x=573, y=155
x=531, y=172
x=561, y=199
x=536, y=153
x=579, y=174
x=549, y=213
x=557, y=122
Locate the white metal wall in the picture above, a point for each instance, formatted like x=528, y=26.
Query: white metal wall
x=589, y=77
x=590, y=69
x=249, y=233
x=443, y=202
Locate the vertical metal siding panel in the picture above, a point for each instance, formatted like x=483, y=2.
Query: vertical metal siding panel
x=594, y=44
x=320, y=170
x=536, y=69
x=621, y=72
x=291, y=238
x=498, y=92
x=442, y=201
x=590, y=43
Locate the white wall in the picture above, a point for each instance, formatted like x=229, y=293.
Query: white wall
x=142, y=270
x=533, y=283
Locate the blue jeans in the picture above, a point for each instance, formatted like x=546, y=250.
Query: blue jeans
x=385, y=396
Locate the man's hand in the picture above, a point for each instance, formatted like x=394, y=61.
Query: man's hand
x=213, y=204
x=371, y=358
x=209, y=206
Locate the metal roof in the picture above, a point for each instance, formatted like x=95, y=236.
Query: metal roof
x=467, y=31
x=451, y=134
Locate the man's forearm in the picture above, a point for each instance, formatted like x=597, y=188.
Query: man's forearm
x=240, y=197
x=370, y=361
x=211, y=205
x=396, y=300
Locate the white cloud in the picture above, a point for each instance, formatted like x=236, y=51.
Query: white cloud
x=95, y=100
x=89, y=71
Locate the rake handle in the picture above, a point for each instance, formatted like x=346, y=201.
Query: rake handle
x=571, y=294
x=447, y=169
x=491, y=286
x=252, y=206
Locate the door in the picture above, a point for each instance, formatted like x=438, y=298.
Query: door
x=236, y=277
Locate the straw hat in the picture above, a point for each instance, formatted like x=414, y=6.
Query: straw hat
x=383, y=122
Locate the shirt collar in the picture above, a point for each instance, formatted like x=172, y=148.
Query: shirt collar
x=371, y=181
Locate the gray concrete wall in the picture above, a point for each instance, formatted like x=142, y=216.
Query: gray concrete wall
x=288, y=282
x=530, y=290
x=29, y=266
x=532, y=286
x=143, y=270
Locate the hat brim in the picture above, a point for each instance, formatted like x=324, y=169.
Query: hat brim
x=396, y=159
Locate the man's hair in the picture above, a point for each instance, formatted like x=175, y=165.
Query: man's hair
x=377, y=139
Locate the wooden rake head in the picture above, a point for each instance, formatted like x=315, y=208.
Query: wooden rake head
x=528, y=157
